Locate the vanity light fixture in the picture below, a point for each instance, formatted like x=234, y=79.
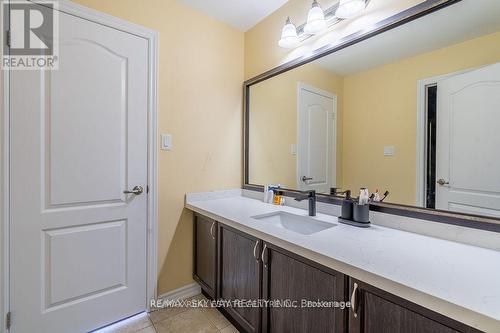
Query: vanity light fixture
x=289, y=38
x=315, y=19
x=349, y=8
x=318, y=21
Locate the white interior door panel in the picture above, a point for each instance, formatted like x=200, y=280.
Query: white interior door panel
x=316, y=136
x=467, y=157
x=78, y=140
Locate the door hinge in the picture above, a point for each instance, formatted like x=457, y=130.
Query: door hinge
x=8, y=38
x=8, y=320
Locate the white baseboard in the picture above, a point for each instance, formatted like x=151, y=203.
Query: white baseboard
x=181, y=293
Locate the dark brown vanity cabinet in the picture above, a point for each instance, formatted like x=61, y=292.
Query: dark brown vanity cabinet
x=303, y=284
x=205, y=254
x=240, y=271
x=231, y=265
x=377, y=311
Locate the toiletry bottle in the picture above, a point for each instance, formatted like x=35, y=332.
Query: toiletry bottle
x=363, y=196
x=278, y=195
x=270, y=193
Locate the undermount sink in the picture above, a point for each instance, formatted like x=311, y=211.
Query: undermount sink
x=303, y=225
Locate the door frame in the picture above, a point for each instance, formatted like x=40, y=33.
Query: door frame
x=421, y=158
x=333, y=172
x=152, y=214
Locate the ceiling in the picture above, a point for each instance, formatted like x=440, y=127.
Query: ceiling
x=241, y=14
x=460, y=22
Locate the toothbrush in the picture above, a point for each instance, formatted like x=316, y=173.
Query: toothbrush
x=386, y=193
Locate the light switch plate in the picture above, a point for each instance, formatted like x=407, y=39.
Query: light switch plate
x=389, y=151
x=166, y=142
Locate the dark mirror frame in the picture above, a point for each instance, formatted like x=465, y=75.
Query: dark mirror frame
x=411, y=14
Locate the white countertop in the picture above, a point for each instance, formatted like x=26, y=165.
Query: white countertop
x=458, y=280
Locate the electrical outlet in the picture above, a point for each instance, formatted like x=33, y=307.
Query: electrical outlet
x=389, y=151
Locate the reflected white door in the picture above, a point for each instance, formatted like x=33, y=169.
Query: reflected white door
x=316, y=139
x=78, y=140
x=468, y=142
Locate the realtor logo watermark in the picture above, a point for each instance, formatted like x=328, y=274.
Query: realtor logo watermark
x=32, y=35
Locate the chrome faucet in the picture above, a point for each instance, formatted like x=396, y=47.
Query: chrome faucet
x=335, y=192
x=311, y=196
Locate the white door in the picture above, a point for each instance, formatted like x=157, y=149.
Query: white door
x=79, y=139
x=316, y=140
x=468, y=142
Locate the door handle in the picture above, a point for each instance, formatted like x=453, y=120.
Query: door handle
x=442, y=182
x=136, y=190
x=255, y=250
x=354, y=301
x=305, y=179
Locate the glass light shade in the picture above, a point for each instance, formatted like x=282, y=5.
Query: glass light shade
x=349, y=8
x=315, y=20
x=289, y=38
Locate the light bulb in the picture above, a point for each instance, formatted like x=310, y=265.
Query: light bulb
x=315, y=19
x=349, y=8
x=289, y=38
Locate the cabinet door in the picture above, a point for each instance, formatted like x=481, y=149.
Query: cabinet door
x=240, y=276
x=205, y=249
x=287, y=276
x=377, y=311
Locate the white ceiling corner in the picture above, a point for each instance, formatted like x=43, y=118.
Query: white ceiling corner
x=240, y=14
x=462, y=21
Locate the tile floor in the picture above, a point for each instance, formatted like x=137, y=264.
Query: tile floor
x=174, y=320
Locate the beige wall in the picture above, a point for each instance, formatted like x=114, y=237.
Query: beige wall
x=200, y=78
x=273, y=124
x=261, y=42
x=380, y=109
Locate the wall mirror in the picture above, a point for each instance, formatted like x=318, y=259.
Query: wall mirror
x=414, y=110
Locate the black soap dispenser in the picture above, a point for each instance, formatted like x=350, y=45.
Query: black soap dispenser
x=347, y=203
x=347, y=206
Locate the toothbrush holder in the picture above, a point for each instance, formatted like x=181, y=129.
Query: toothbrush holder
x=361, y=213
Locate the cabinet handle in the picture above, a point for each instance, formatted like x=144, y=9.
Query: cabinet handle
x=354, y=305
x=212, y=230
x=255, y=250
x=262, y=256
